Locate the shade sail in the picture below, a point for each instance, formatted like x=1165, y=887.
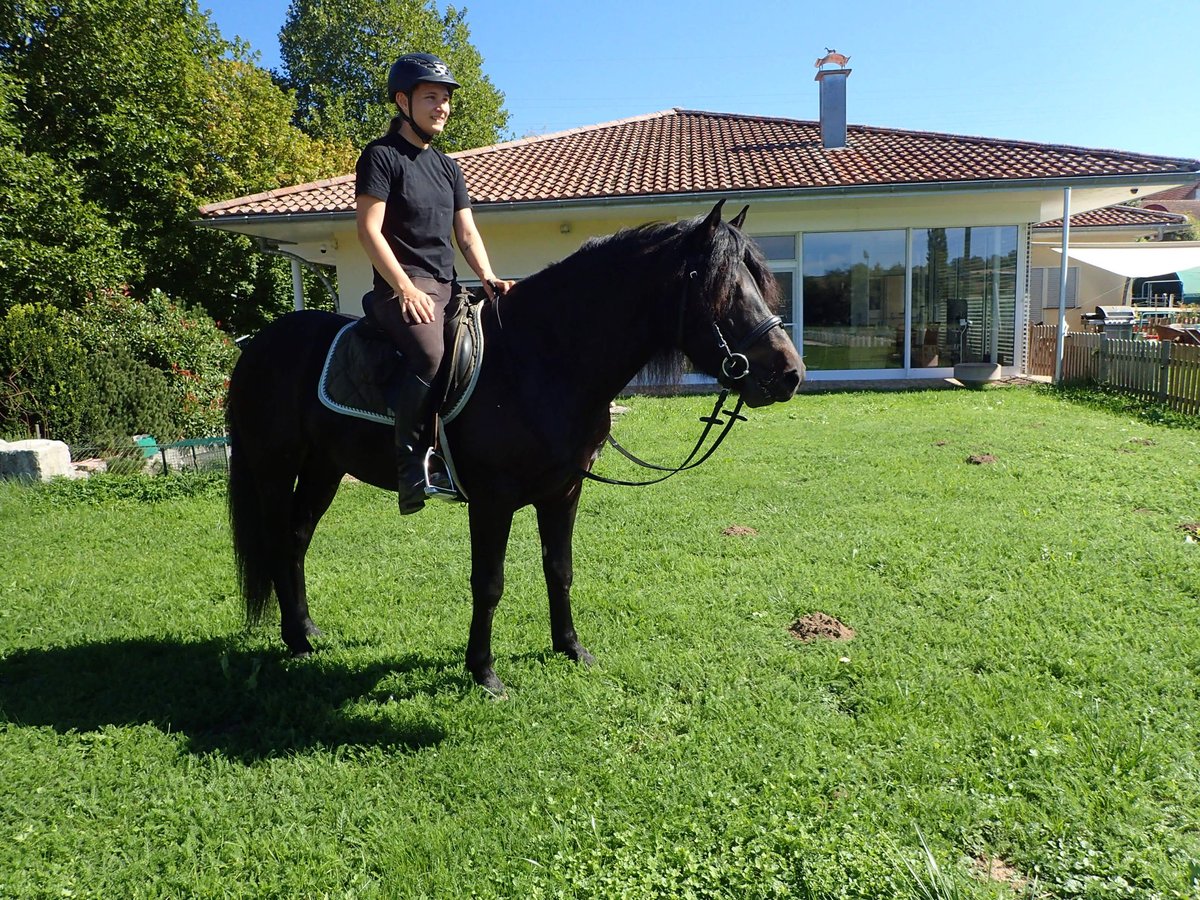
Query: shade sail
x=1141, y=260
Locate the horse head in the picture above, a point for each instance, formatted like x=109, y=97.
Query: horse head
x=729, y=329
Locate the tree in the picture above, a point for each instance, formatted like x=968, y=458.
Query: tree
x=55, y=245
x=156, y=114
x=337, y=53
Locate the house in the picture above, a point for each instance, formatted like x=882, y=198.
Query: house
x=899, y=253
x=1089, y=286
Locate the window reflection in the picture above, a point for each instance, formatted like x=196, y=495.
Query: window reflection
x=964, y=295
x=854, y=300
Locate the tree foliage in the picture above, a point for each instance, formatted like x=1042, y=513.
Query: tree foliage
x=337, y=53
x=148, y=113
x=55, y=245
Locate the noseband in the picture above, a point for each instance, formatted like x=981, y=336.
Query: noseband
x=736, y=366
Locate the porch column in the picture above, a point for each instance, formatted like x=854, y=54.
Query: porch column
x=297, y=284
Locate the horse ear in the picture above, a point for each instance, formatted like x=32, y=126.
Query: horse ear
x=740, y=219
x=709, y=226
x=707, y=229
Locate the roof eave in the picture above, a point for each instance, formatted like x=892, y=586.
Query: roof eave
x=224, y=223
x=865, y=190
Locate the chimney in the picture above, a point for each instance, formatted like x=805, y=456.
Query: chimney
x=833, y=107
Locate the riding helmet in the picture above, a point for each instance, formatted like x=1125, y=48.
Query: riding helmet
x=413, y=69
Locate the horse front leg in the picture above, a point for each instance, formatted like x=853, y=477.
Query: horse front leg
x=556, y=525
x=490, y=528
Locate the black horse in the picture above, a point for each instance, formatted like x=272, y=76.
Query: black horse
x=559, y=347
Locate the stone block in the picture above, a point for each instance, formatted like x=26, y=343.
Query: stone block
x=35, y=460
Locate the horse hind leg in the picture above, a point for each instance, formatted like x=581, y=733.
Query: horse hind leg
x=315, y=488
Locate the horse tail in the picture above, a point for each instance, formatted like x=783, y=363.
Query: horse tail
x=251, y=548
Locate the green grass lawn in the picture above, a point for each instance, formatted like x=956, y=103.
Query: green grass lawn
x=1022, y=693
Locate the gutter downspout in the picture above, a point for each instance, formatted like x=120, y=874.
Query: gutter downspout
x=1062, y=288
x=297, y=286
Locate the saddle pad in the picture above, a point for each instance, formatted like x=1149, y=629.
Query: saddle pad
x=358, y=370
x=362, y=368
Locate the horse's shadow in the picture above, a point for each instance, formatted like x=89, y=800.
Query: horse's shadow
x=224, y=699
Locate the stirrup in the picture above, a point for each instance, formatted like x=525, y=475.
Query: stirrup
x=439, y=482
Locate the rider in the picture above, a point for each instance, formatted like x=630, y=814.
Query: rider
x=410, y=196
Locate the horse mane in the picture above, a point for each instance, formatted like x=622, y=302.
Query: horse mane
x=719, y=274
x=729, y=248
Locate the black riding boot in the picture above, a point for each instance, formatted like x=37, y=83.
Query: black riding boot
x=412, y=409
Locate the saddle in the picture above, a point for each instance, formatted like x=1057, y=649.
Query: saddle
x=363, y=368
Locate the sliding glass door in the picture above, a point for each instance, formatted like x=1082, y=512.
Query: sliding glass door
x=854, y=300
x=964, y=295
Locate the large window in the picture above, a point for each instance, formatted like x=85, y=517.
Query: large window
x=854, y=300
x=964, y=295
x=850, y=309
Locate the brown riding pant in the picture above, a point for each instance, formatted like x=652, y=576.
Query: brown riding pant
x=422, y=343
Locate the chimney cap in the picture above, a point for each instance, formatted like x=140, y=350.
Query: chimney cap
x=832, y=57
x=824, y=72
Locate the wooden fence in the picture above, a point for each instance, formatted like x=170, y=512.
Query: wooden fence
x=1158, y=371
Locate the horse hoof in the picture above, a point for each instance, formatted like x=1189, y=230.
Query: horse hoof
x=300, y=648
x=578, y=653
x=493, y=685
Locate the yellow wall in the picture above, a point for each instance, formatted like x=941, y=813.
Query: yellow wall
x=522, y=242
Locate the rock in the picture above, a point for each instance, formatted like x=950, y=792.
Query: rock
x=35, y=460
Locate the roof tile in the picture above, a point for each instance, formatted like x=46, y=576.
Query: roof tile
x=686, y=151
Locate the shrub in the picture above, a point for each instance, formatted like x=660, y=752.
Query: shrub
x=127, y=397
x=195, y=356
x=42, y=367
x=116, y=368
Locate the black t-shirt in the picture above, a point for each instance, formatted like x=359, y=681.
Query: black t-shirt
x=422, y=189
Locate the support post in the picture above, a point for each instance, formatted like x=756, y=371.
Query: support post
x=297, y=284
x=1062, y=288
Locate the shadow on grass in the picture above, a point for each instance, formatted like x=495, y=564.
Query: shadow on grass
x=1111, y=400
x=241, y=704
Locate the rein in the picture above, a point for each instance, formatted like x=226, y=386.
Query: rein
x=712, y=419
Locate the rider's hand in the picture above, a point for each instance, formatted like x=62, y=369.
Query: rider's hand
x=417, y=306
x=495, y=286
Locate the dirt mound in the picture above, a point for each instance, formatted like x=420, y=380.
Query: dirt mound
x=981, y=459
x=817, y=626
x=733, y=530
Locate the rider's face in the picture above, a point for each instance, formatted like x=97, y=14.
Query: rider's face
x=430, y=106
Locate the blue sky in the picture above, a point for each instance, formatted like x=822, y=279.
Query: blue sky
x=1103, y=73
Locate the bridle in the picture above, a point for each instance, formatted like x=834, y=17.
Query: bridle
x=735, y=366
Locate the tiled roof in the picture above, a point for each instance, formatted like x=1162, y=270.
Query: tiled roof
x=1183, y=192
x=1118, y=217
x=688, y=152
x=328, y=196
x=1181, y=207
